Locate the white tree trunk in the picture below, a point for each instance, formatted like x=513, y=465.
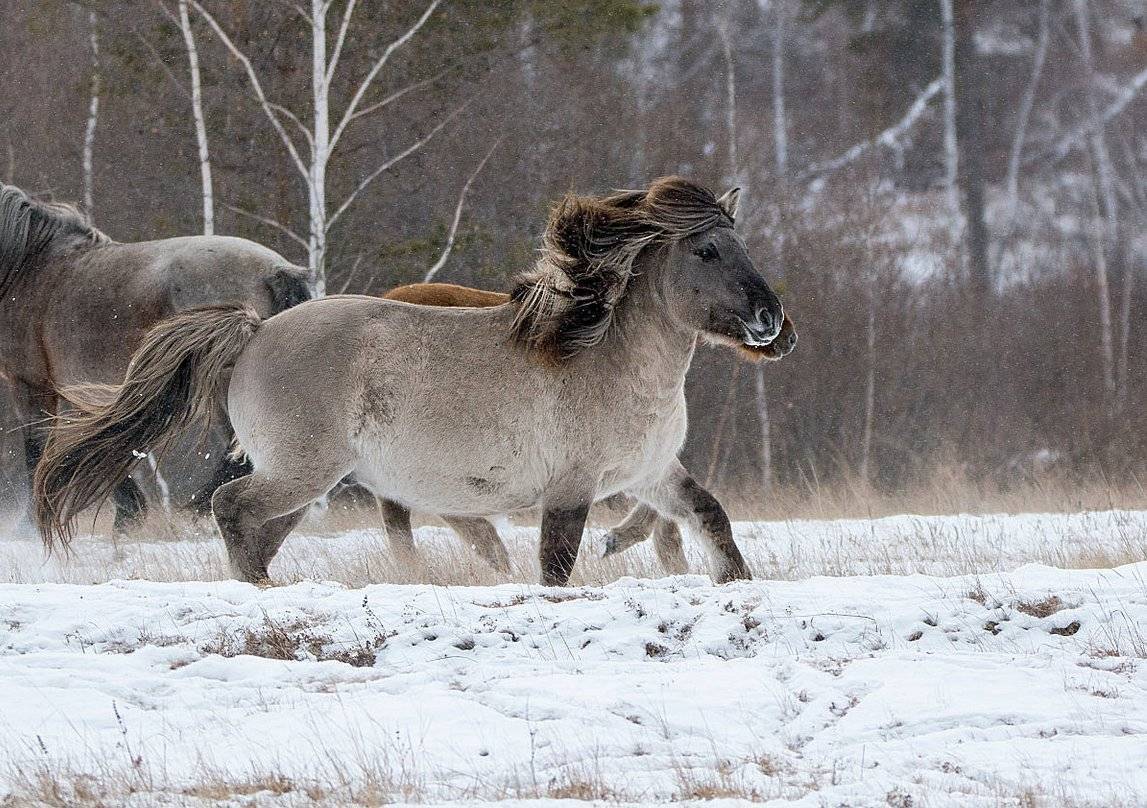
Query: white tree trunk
x=869, y=387
x=320, y=137
x=780, y=116
x=93, y=119
x=321, y=148
x=951, y=145
x=1026, y=106
x=732, y=165
x=781, y=161
x=207, y=185
x=1125, y=331
x=1106, y=225
x=765, y=426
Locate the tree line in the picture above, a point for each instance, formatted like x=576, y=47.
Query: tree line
x=950, y=193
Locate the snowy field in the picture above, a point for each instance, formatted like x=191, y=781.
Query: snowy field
x=909, y=661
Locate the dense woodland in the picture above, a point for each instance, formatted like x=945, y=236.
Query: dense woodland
x=950, y=195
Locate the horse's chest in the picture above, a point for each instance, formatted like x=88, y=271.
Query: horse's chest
x=646, y=439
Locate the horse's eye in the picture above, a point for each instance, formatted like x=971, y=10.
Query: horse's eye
x=707, y=253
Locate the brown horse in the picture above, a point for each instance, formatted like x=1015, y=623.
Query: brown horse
x=74, y=305
x=478, y=532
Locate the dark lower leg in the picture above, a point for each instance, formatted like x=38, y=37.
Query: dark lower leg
x=561, y=537
x=483, y=538
x=399, y=535
x=714, y=527
x=226, y=470
x=634, y=530
x=130, y=505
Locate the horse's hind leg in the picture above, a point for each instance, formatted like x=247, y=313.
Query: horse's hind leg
x=634, y=530
x=483, y=538
x=399, y=535
x=130, y=506
x=226, y=470
x=667, y=545
x=255, y=514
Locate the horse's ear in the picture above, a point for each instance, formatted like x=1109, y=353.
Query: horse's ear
x=728, y=202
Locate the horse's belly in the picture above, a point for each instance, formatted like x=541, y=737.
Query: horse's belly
x=446, y=479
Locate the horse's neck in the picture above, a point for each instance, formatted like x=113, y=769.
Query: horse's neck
x=644, y=340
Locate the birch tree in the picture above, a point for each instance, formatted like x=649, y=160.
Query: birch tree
x=326, y=129
x=1027, y=103
x=723, y=27
x=206, y=183
x=951, y=144
x=94, y=88
x=1105, y=228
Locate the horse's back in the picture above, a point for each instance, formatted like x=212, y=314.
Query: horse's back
x=399, y=393
x=98, y=304
x=210, y=270
x=446, y=294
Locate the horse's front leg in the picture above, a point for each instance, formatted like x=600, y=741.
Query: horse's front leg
x=563, y=522
x=33, y=409
x=680, y=497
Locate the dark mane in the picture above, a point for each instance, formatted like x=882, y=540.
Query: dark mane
x=566, y=303
x=30, y=229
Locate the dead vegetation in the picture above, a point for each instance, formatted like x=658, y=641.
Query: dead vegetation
x=297, y=640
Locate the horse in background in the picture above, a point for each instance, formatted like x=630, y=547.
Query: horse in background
x=575, y=390
x=74, y=305
x=479, y=533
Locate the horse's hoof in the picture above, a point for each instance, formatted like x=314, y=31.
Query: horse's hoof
x=734, y=574
x=612, y=544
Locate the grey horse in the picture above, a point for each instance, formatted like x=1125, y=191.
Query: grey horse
x=570, y=392
x=74, y=305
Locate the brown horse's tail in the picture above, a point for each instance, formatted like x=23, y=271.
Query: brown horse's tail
x=174, y=379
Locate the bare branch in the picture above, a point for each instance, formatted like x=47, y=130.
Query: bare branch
x=341, y=37
x=154, y=53
x=1076, y=138
x=293, y=118
x=302, y=12
x=282, y=228
x=409, y=150
x=352, y=107
x=441, y=262
x=256, y=86
x=351, y=274
x=397, y=94
x=889, y=137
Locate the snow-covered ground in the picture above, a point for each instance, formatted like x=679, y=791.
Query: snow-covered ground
x=960, y=683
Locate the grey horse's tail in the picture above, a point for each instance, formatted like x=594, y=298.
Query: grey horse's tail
x=175, y=379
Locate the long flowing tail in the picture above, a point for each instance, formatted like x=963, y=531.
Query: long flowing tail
x=174, y=380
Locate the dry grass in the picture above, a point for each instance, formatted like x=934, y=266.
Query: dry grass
x=945, y=489
x=297, y=641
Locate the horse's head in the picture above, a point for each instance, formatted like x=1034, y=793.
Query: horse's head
x=678, y=234
x=711, y=284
